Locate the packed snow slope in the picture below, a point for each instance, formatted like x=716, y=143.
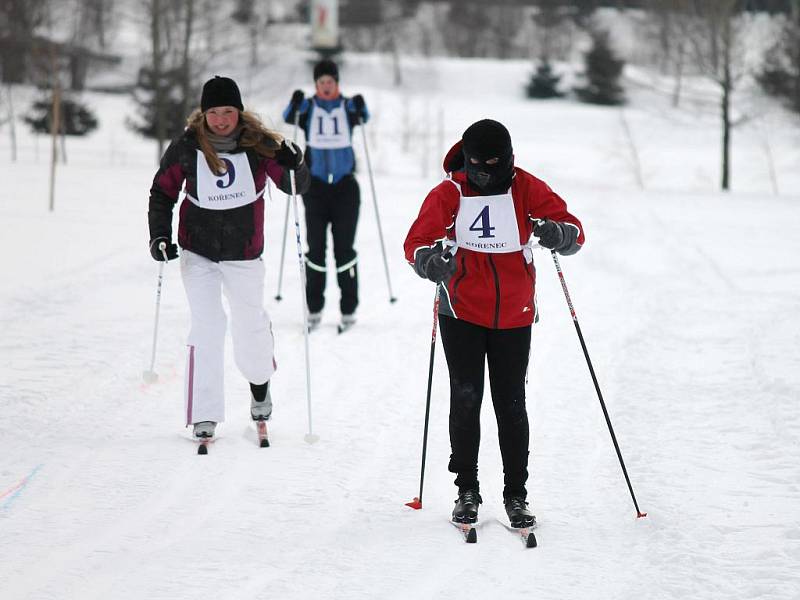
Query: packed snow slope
x=687, y=297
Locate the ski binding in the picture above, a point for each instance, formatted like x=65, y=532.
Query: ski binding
x=263, y=440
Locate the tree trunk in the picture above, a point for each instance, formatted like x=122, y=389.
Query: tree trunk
x=679, y=61
x=398, y=73
x=158, y=99
x=55, y=124
x=727, y=88
x=255, y=34
x=187, y=67
x=100, y=22
x=12, y=127
x=796, y=22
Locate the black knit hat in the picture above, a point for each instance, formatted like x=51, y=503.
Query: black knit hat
x=220, y=91
x=487, y=139
x=326, y=67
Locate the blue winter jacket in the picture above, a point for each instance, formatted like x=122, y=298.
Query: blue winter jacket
x=329, y=165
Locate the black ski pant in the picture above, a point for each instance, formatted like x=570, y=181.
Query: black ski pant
x=468, y=347
x=337, y=205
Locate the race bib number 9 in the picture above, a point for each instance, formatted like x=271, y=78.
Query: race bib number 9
x=234, y=188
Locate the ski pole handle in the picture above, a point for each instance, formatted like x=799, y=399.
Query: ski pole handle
x=163, y=247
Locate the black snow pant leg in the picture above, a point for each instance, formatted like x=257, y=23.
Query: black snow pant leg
x=336, y=205
x=344, y=220
x=317, y=218
x=465, y=350
x=508, y=351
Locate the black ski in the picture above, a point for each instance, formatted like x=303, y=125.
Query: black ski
x=468, y=530
x=525, y=533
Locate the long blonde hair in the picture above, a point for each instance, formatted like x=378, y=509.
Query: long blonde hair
x=254, y=135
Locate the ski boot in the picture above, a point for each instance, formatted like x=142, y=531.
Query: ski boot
x=314, y=319
x=347, y=322
x=204, y=435
x=466, y=508
x=260, y=402
x=519, y=515
x=261, y=410
x=204, y=430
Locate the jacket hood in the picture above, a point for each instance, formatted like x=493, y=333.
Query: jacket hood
x=454, y=159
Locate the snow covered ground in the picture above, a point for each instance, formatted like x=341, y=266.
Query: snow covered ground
x=688, y=300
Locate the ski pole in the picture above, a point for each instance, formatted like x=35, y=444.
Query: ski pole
x=416, y=503
x=392, y=298
x=278, y=297
x=639, y=513
x=309, y=437
x=150, y=376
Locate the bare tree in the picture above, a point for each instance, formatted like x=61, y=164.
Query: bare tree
x=158, y=69
x=186, y=62
x=101, y=13
x=19, y=21
x=548, y=18
x=11, y=120
x=718, y=50
x=673, y=23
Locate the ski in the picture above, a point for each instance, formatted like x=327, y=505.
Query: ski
x=202, y=445
x=468, y=530
x=263, y=440
x=525, y=533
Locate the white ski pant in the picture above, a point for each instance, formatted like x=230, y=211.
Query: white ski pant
x=243, y=283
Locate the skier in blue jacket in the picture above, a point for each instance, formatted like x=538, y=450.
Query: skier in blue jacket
x=328, y=119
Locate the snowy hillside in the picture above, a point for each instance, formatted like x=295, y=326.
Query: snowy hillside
x=688, y=300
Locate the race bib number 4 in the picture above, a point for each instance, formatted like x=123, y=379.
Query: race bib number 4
x=487, y=224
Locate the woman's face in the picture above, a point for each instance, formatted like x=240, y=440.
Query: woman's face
x=327, y=87
x=222, y=120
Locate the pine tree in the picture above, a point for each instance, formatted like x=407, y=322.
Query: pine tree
x=76, y=118
x=780, y=75
x=145, y=96
x=544, y=83
x=603, y=70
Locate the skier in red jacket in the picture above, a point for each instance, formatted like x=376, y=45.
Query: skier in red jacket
x=472, y=236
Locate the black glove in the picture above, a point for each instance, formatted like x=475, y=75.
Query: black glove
x=171, y=249
x=358, y=103
x=561, y=237
x=289, y=155
x=550, y=234
x=432, y=264
x=297, y=98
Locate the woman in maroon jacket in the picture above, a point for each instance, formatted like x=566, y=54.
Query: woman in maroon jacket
x=472, y=237
x=222, y=163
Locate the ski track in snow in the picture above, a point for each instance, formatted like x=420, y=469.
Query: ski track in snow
x=689, y=310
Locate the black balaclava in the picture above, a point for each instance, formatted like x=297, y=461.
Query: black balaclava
x=482, y=141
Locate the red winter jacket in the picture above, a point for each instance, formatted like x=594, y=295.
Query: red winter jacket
x=491, y=290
